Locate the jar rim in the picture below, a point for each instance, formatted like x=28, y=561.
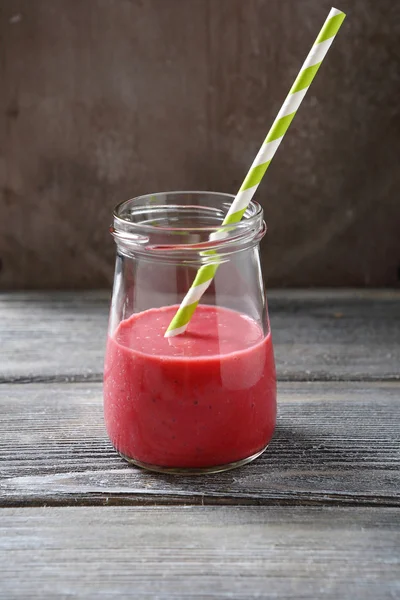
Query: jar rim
x=254, y=213
x=163, y=225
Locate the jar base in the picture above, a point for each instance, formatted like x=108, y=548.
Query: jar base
x=193, y=471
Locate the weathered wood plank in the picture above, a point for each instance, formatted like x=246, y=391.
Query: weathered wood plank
x=53, y=336
x=335, y=443
x=324, y=335
x=200, y=552
x=333, y=335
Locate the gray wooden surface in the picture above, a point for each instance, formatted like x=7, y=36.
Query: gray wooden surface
x=200, y=552
x=103, y=100
x=317, y=516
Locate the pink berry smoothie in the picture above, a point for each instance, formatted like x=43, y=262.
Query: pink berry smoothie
x=200, y=400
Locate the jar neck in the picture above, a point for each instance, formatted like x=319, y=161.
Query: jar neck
x=184, y=225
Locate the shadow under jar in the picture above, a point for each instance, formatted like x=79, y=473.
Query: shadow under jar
x=203, y=401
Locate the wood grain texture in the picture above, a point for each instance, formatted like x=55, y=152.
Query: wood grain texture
x=54, y=335
x=317, y=335
x=107, y=99
x=200, y=552
x=317, y=516
x=335, y=443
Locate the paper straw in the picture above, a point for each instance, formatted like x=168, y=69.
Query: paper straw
x=261, y=163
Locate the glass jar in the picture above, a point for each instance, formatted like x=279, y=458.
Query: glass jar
x=205, y=400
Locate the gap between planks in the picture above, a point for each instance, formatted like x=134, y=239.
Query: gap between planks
x=99, y=500
x=98, y=378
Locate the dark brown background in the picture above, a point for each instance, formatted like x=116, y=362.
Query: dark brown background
x=102, y=100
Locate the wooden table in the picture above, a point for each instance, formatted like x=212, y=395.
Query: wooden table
x=317, y=516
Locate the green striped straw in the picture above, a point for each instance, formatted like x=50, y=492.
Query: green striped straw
x=260, y=164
